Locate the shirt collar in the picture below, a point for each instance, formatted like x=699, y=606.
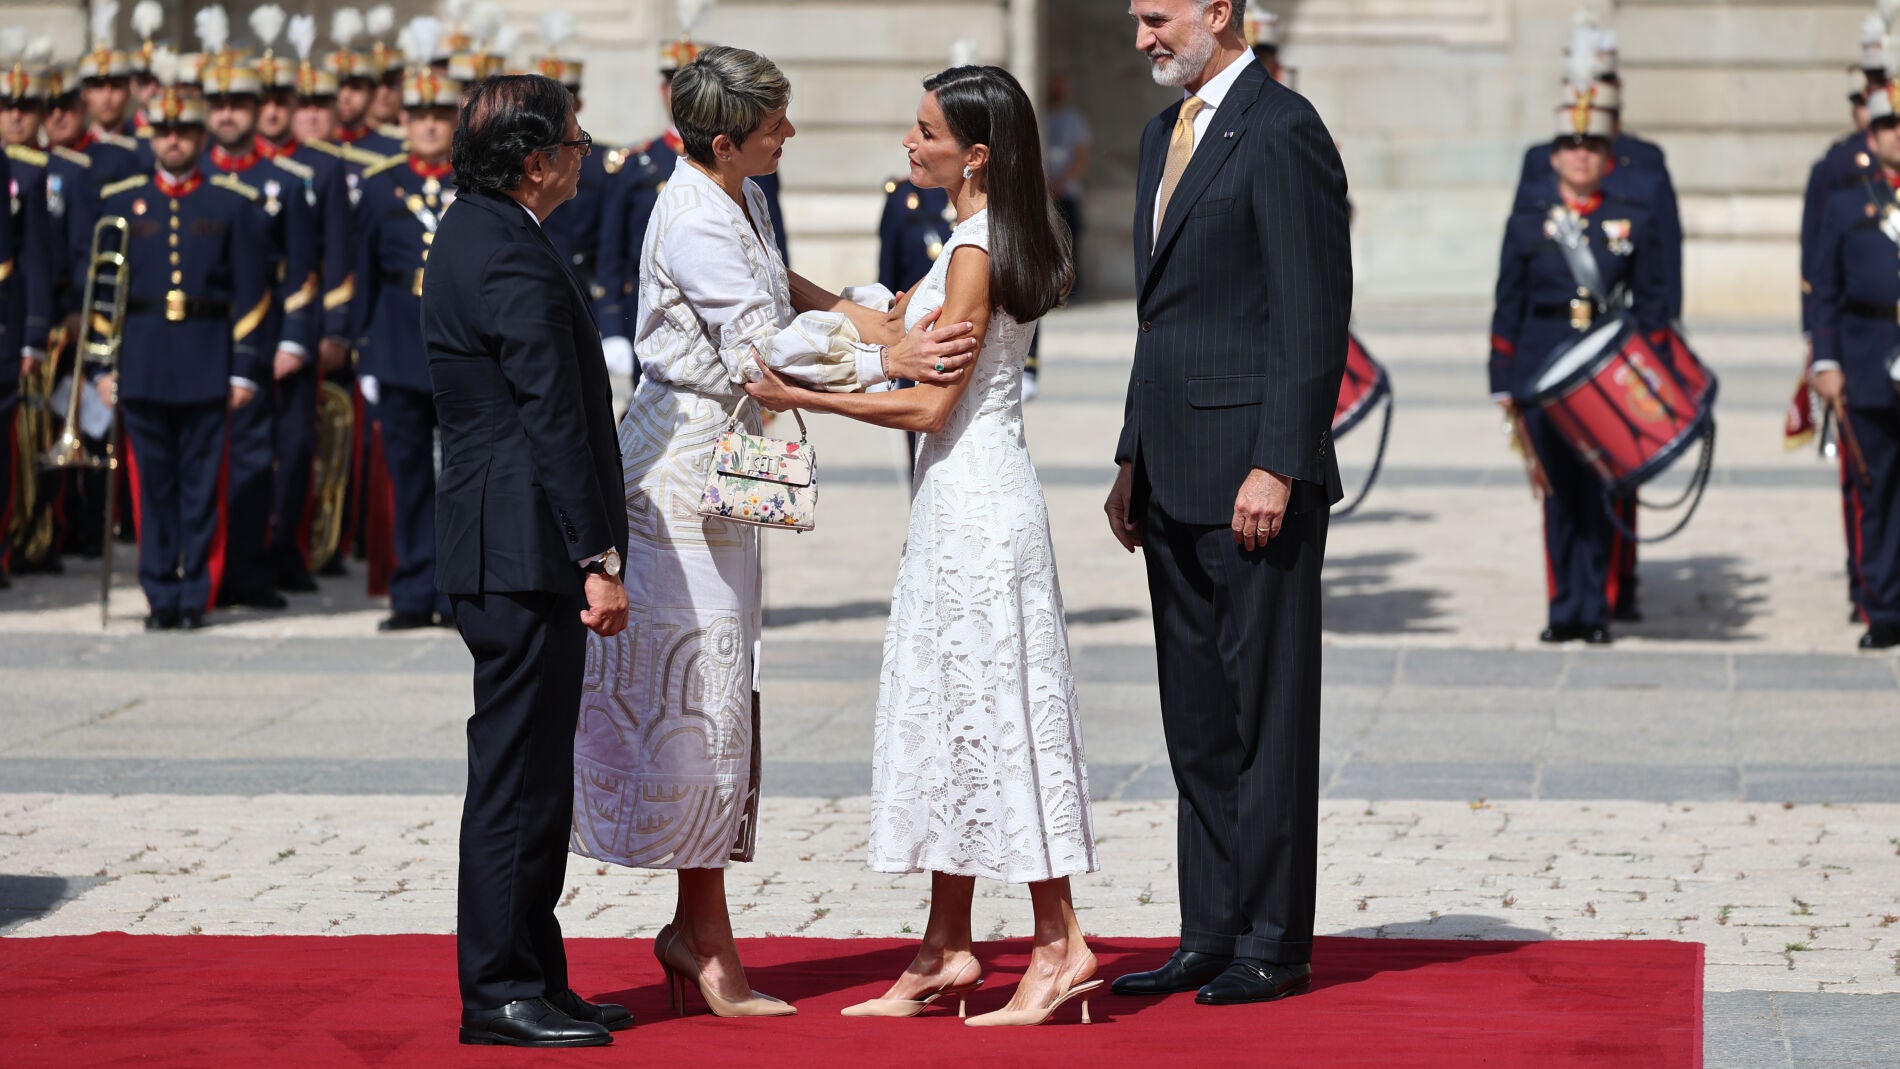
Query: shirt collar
x=530, y=211
x=1221, y=84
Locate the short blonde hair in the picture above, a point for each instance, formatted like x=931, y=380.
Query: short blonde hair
x=725, y=91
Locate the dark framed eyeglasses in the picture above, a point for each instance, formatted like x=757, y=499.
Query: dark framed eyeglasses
x=583, y=144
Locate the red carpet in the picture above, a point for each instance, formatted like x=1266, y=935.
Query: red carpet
x=277, y=1002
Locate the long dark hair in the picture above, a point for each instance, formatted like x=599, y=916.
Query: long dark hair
x=1030, y=265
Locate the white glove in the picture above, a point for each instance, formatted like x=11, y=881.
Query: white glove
x=619, y=354
x=371, y=391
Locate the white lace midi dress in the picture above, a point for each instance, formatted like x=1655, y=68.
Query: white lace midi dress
x=977, y=766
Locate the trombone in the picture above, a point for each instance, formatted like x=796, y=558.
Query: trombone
x=101, y=329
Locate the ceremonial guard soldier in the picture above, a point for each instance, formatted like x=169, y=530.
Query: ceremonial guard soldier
x=286, y=208
x=1563, y=268
x=26, y=271
x=356, y=78
x=643, y=172
x=574, y=228
x=385, y=105
x=192, y=344
x=1856, y=321
x=1847, y=162
x=147, y=17
x=1637, y=173
x=106, y=86
x=296, y=410
x=401, y=204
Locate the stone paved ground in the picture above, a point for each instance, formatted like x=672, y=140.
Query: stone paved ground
x=1728, y=773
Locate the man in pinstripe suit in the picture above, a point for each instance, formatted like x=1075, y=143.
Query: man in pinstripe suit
x=1227, y=474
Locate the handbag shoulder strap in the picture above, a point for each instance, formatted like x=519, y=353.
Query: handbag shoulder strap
x=732, y=424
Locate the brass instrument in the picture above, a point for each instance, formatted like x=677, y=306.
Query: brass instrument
x=30, y=526
x=336, y=437
x=101, y=329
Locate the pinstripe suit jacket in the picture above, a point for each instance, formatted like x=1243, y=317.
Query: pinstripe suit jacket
x=1244, y=298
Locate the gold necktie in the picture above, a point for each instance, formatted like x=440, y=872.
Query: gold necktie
x=1180, y=150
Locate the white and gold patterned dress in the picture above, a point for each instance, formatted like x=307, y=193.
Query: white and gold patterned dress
x=666, y=755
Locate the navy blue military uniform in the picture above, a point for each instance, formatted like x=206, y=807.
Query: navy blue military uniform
x=574, y=227
x=1856, y=289
x=26, y=295
x=115, y=157
x=623, y=228
x=911, y=232
x=402, y=201
x=1847, y=163
x=194, y=321
x=286, y=207
x=1533, y=317
x=296, y=426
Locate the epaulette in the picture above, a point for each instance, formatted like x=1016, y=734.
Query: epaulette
x=31, y=156
x=124, y=184
x=391, y=130
x=363, y=157
x=236, y=185
x=387, y=163
x=326, y=148
x=130, y=144
x=73, y=155
x=301, y=170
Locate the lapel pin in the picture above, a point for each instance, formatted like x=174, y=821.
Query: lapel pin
x=1228, y=133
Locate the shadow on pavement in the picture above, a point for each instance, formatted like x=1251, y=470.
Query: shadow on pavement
x=1361, y=600
x=1698, y=599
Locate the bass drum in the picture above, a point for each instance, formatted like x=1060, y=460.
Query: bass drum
x=1361, y=390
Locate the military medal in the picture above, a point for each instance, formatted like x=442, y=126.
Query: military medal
x=138, y=206
x=431, y=187
x=414, y=203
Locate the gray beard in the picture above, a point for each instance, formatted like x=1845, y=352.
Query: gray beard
x=1188, y=64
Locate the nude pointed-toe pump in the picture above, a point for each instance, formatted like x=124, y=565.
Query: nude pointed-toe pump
x=955, y=988
x=682, y=970
x=1037, y=1015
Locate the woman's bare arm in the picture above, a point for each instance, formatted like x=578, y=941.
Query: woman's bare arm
x=924, y=407
x=874, y=327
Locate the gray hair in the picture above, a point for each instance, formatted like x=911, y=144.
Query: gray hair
x=726, y=91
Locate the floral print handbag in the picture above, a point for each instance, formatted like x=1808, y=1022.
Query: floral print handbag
x=766, y=482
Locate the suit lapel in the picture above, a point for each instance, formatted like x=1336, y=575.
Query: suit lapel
x=1223, y=134
x=1154, y=157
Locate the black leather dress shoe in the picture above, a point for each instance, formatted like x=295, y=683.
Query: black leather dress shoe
x=529, y=1022
x=1252, y=980
x=1880, y=637
x=605, y=1014
x=406, y=621
x=1596, y=636
x=192, y=620
x=161, y=621
x=1560, y=633
x=1185, y=971
x=1628, y=614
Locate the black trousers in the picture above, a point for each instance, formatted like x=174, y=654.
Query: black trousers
x=529, y=652
x=178, y=451
x=294, y=448
x=407, y=418
x=1237, y=637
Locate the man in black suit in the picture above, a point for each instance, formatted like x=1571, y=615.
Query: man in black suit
x=1227, y=475
x=530, y=528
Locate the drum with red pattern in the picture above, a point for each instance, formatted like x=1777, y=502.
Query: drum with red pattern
x=1364, y=385
x=1627, y=410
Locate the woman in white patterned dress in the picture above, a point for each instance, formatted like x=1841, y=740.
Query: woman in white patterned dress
x=977, y=767
x=666, y=753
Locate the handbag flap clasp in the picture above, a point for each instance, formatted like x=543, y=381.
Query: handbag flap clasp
x=766, y=459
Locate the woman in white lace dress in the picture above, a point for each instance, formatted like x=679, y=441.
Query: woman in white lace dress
x=977, y=767
x=666, y=754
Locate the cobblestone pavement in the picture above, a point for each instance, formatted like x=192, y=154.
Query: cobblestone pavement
x=1728, y=773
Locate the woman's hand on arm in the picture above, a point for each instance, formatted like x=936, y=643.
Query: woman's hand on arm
x=934, y=355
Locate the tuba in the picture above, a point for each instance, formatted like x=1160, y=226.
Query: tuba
x=336, y=438
x=101, y=329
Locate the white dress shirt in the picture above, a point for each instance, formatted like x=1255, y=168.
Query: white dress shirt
x=1211, y=94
